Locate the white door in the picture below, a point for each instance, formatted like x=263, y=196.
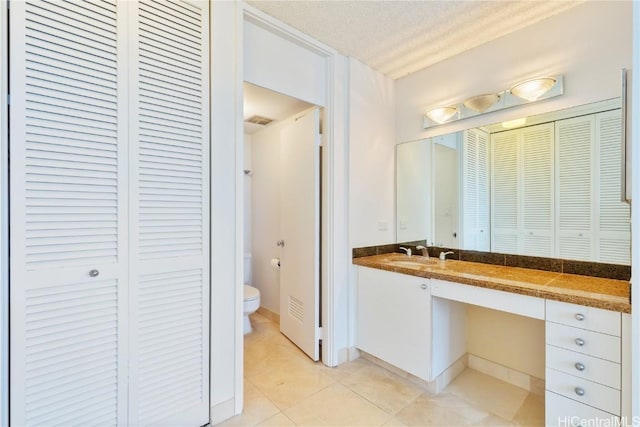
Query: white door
x=109, y=213
x=68, y=282
x=169, y=214
x=300, y=228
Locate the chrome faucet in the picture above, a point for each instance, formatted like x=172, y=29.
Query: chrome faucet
x=425, y=251
x=443, y=255
x=406, y=250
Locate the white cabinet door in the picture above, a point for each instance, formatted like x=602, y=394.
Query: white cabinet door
x=169, y=197
x=68, y=215
x=394, y=318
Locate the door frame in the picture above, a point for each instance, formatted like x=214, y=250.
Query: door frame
x=4, y=214
x=335, y=257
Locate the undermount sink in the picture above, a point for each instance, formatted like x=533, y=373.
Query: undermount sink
x=400, y=260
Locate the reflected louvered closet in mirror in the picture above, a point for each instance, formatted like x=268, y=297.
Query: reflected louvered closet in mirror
x=547, y=185
x=109, y=153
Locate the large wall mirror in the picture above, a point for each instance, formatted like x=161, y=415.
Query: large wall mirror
x=547, y=185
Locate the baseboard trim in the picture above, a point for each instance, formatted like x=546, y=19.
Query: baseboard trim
x=222, y=411
x=274, y=317
x=519, y=379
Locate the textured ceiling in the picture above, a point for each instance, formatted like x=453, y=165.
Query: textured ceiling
x=400, y=37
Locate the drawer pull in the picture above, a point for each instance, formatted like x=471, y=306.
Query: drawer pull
x=94, y=273
x=579, y=342
x=579, y=391
x=423, y=286
x=580, y=317
x=579, y=366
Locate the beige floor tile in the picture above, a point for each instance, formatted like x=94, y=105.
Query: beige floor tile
x=342, y=371
x=531, y=413
x=256, y=408
x=336, y=405
x=491, y=394
x=394, y=422
x=289, y=383
x=385, y=389
x=278, y=420
x=494, y=421
x=444, y=409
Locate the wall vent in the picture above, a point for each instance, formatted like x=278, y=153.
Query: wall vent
x=259, y=120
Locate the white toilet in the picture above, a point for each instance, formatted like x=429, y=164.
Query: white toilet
x=251, y=295
x=251, y=304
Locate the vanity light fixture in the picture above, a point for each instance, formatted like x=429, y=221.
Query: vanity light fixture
x=482, y=103
x=533, y=89
x=525, y=92
x=441, y=115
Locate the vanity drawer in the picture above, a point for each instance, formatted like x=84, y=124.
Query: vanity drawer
x=583, y=366
x=579, y=316
x=583, y=341
x=581, y=390
x=561, y=411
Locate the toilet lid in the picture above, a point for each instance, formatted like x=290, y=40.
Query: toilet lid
x=251, y=293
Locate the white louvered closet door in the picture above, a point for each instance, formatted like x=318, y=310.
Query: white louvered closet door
x=68, y=215
x=169, y=217
x=505, y=192
x=575, y=165
x=475, y=190
x=537, y=177
x=614, y=228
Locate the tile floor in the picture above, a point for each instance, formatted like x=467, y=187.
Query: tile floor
x=285, y=388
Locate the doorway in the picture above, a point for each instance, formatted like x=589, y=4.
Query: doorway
x=282, y=212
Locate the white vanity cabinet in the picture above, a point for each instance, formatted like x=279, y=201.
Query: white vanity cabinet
x=394, y=319
x=584, y=356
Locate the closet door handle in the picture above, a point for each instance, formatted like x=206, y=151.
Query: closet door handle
x=94, y=273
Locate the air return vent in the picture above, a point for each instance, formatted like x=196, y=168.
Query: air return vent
x=259, y=120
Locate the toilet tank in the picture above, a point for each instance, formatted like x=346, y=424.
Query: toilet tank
x=247, y=269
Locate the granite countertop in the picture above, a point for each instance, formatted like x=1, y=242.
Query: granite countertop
x=608, y=294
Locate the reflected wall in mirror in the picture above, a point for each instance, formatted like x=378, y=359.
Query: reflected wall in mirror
x=546, y=185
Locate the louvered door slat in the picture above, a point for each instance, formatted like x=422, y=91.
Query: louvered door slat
x=505, y=192
x=614, y=232
x=67, y=213
x=537, y=190
x=475, y=198
x=169, y=371
x=575, y=164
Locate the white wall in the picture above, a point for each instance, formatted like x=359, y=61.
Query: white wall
x=493, y=335
x=247, y=190
x=282, y=65
x=371, y=168
x=372, y=156
x=414, y=201
x=588, y=44
x=265, y=219
x=226, y=208
x=635, y=218
x=4, y=219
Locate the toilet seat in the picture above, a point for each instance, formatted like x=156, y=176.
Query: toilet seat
x=251, y=293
